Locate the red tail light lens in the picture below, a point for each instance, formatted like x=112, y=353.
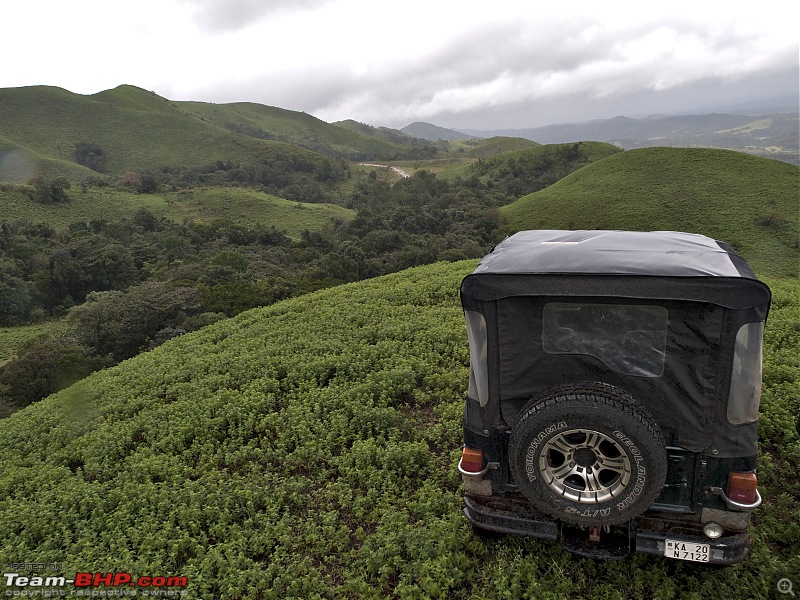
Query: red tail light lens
x=742, y=487
x=472, y=460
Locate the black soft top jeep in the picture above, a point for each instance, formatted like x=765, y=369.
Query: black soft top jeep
x=615, y=379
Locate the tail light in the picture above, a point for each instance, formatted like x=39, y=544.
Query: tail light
x=471, y=460
x=742, y=487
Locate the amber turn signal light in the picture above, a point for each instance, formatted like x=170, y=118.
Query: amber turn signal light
x=742, y=487
x=472, y=460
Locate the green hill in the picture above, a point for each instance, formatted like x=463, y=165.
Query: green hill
x=296, y=128
x=308, y=449
x=497, y=145
x=134, y=128
x=746, y=201
x=500, y=157
x=384, y=133
x=138, y=130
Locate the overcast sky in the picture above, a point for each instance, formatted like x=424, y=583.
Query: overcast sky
x=463, y=64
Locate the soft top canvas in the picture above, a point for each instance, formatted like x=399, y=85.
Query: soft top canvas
x=654, y=253
x=626, y=264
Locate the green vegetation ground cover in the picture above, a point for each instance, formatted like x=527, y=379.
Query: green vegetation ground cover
x=247, y=207
x=446, y=168
x=139, y=130
x=495, y=145
x=512, y=164
x=51, y=121
x=308, y=450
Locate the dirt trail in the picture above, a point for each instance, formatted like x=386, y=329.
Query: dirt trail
x=400, y=172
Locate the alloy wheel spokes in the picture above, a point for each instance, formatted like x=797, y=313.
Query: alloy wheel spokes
x=586, y=466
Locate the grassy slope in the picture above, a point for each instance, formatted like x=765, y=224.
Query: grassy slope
x=293, y=127
x=239, y=205
x=496, y=145
x=135, y=128
x=308, y=449
x=445, y=168
x=463, y=155
x=749, y=202
x=139, y=130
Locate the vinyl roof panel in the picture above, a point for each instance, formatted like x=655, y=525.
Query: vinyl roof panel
x=655, y=253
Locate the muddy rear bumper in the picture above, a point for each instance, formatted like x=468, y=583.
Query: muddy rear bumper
x=617, y=542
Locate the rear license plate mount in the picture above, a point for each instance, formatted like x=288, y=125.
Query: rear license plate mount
x=681, y=550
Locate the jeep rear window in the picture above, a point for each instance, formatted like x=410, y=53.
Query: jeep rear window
x=627, y=338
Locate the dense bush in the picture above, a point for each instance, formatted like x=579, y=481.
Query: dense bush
x=53, y=191
x=523, y=172
x=90, y=155
x=44, y=366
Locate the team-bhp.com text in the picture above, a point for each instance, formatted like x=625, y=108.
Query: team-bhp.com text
x=93, y=584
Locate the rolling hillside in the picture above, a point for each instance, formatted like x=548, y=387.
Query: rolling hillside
x=300, y=129
x=512, y=164
x=308, y=449
x=138, y=130
x=746, y=201
x=497, y=145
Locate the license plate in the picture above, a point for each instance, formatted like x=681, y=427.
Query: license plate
x=686, y=550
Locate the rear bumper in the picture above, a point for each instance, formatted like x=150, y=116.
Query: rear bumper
x=614, y=543
x=510, y=521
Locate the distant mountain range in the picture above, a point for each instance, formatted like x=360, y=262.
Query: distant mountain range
x=775, y=135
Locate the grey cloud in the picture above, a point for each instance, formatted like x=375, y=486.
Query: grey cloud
x=708, y=95
x=480, y=56
x=307, y=90
x=567, y=72
x=231, y=15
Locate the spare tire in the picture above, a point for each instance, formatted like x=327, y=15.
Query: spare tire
x=588, y=454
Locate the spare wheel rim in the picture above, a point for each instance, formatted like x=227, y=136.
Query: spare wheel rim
x=585, y=466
